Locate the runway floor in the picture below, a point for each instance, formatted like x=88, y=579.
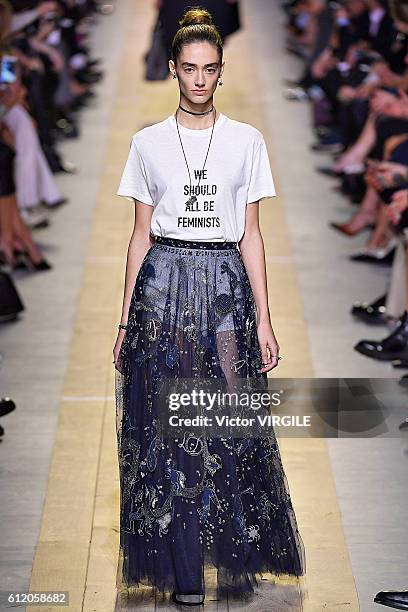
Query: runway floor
x=59, y=477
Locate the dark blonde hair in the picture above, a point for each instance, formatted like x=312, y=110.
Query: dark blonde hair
x=196, y=25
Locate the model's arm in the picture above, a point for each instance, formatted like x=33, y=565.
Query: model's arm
x=253, y=255
x=140, y=243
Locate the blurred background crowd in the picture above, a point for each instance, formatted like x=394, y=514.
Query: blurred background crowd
x=354, y=76
x=47, y=75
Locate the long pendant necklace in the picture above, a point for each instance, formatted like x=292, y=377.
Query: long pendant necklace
x=193, y=198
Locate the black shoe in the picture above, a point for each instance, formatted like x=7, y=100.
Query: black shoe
x=386, y=260
x=400, y=364
x=67, y=128
x=55, y=204
x=41, y=265
x=89, y=78
x=373, y=314
x=6, y=405
x=93, y=62
x=354, y=186
x=66, y=166
x=188, y=599
x=393, y=599
x=403, y=381
x=327, y=147
x=26, y=263
x=292, y=82
x=394, y=346
x=404, y=425
x=327, y=171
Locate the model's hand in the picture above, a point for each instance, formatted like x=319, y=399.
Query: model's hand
x=269, y=346
x=118, y=344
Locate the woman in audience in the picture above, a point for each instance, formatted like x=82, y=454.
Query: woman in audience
x=17, y=247
x=48, y=40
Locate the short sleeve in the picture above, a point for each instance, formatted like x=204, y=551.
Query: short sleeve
x=261, y=184
x=133, y=183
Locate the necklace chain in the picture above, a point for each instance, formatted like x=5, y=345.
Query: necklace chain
x=193, y=198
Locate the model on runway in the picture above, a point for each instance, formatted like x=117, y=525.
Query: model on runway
x=195, y=307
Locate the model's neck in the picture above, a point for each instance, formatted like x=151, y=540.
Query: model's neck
x=195, y=122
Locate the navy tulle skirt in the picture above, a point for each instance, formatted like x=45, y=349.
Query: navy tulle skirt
x=198, y=503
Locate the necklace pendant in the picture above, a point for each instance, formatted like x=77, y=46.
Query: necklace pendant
x=192, y=200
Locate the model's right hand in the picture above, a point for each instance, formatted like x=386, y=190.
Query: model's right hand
x=118, y=344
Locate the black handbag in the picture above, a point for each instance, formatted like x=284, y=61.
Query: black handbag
x=10, y=301
x=157, y=58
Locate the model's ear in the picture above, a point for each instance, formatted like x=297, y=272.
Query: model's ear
x=172, y=67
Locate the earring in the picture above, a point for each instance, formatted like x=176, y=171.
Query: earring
x=174, y=76
x=220, y=82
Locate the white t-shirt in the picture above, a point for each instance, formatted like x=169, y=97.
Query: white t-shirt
x=237, y=172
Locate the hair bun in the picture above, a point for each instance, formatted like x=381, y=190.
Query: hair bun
x=196, y=16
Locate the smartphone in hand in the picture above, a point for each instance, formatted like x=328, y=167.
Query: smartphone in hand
x=7, y=70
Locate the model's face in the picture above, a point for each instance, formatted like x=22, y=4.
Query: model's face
x=198, y=69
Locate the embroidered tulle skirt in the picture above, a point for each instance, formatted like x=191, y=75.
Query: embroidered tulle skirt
x=190, y=505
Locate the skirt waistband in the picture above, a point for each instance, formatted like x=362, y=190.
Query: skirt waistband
x=195, y=244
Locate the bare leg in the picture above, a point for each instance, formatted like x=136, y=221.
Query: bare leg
x=14, y=233
x=382, y=233
x=6, y=227
x=366, y=214
x=22, y=234
x=360, y=149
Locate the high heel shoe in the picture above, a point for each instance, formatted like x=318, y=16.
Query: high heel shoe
x=381, y=255
x=350, y=229
x=25, y=262
x=19, y=260
x=188, y=599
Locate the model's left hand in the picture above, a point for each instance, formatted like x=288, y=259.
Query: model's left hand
x=269, y=346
